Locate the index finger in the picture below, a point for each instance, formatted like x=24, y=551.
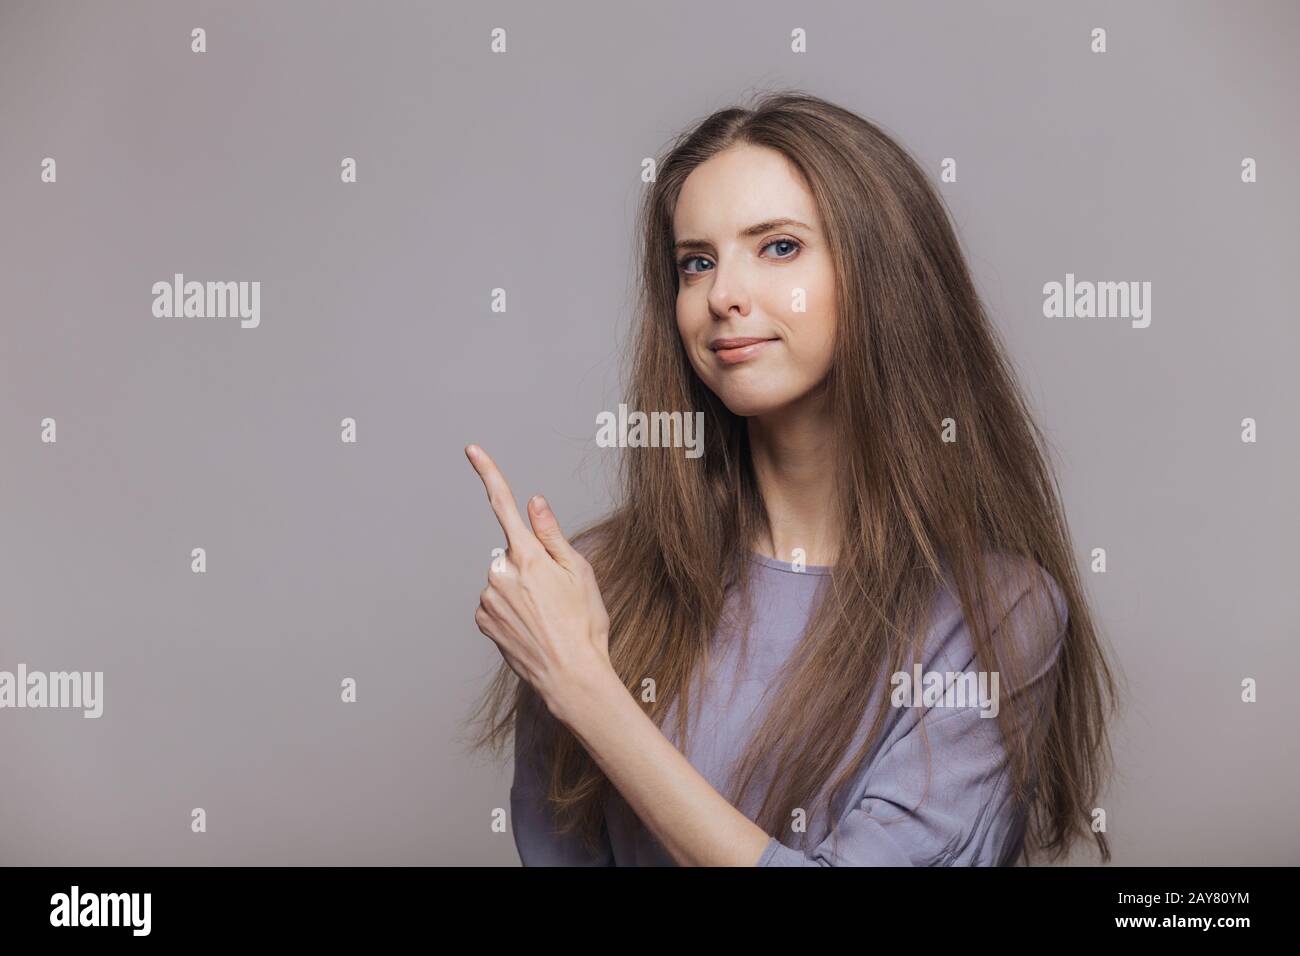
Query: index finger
x=519, y=537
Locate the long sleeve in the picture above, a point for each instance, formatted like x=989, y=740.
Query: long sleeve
x=942, y=797
x=531, y=820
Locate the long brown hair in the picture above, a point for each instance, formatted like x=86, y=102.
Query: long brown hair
x=914, y=353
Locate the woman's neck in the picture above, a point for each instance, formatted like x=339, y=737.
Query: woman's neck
x=793, y=453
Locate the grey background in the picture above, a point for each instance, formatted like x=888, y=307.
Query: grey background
x=328, y=560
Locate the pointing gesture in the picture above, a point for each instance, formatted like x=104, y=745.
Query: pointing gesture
x=544, y=536
x=541, y=605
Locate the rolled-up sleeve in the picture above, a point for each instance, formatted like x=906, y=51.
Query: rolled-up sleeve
x=940, y=794
x=531, y=819
x=962, y=818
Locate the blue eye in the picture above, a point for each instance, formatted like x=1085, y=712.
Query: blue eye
x=682, y=264
x=783, y=242
x=794, y=243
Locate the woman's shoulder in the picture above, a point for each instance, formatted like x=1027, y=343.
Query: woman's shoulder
x=1027, y=611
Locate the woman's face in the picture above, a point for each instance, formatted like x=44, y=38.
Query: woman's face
x=743, y=275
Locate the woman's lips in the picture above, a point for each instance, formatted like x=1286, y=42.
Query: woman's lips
x=742, y=353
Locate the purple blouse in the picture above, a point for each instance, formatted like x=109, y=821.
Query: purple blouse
x=935, y=798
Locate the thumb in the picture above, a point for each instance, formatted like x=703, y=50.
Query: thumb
x=547, y=528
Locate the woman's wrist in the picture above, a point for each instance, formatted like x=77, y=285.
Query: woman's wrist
x=584, y=693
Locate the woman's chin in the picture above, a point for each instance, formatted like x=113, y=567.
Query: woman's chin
x=747, y=406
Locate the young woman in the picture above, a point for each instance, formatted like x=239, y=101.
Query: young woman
x=770, y=654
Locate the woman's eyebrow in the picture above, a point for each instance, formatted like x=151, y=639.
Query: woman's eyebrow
x=754, y=230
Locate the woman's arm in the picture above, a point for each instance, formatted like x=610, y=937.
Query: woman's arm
x=695, y=823
x=543, y=610
x=939, y=795
x=965, y=818
x=531, y=819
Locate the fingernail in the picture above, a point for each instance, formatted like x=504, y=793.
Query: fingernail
x=542, y=506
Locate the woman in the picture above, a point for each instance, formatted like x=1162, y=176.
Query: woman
x=685, y=693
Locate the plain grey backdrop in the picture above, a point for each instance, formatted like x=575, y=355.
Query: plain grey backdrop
x=521, y=170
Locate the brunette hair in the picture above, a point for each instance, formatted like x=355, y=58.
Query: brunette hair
x=914, y=353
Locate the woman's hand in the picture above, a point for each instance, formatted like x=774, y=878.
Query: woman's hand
x=541, y=605
x=544, y=611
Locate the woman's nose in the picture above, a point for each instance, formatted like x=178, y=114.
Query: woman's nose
x=728, y=289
